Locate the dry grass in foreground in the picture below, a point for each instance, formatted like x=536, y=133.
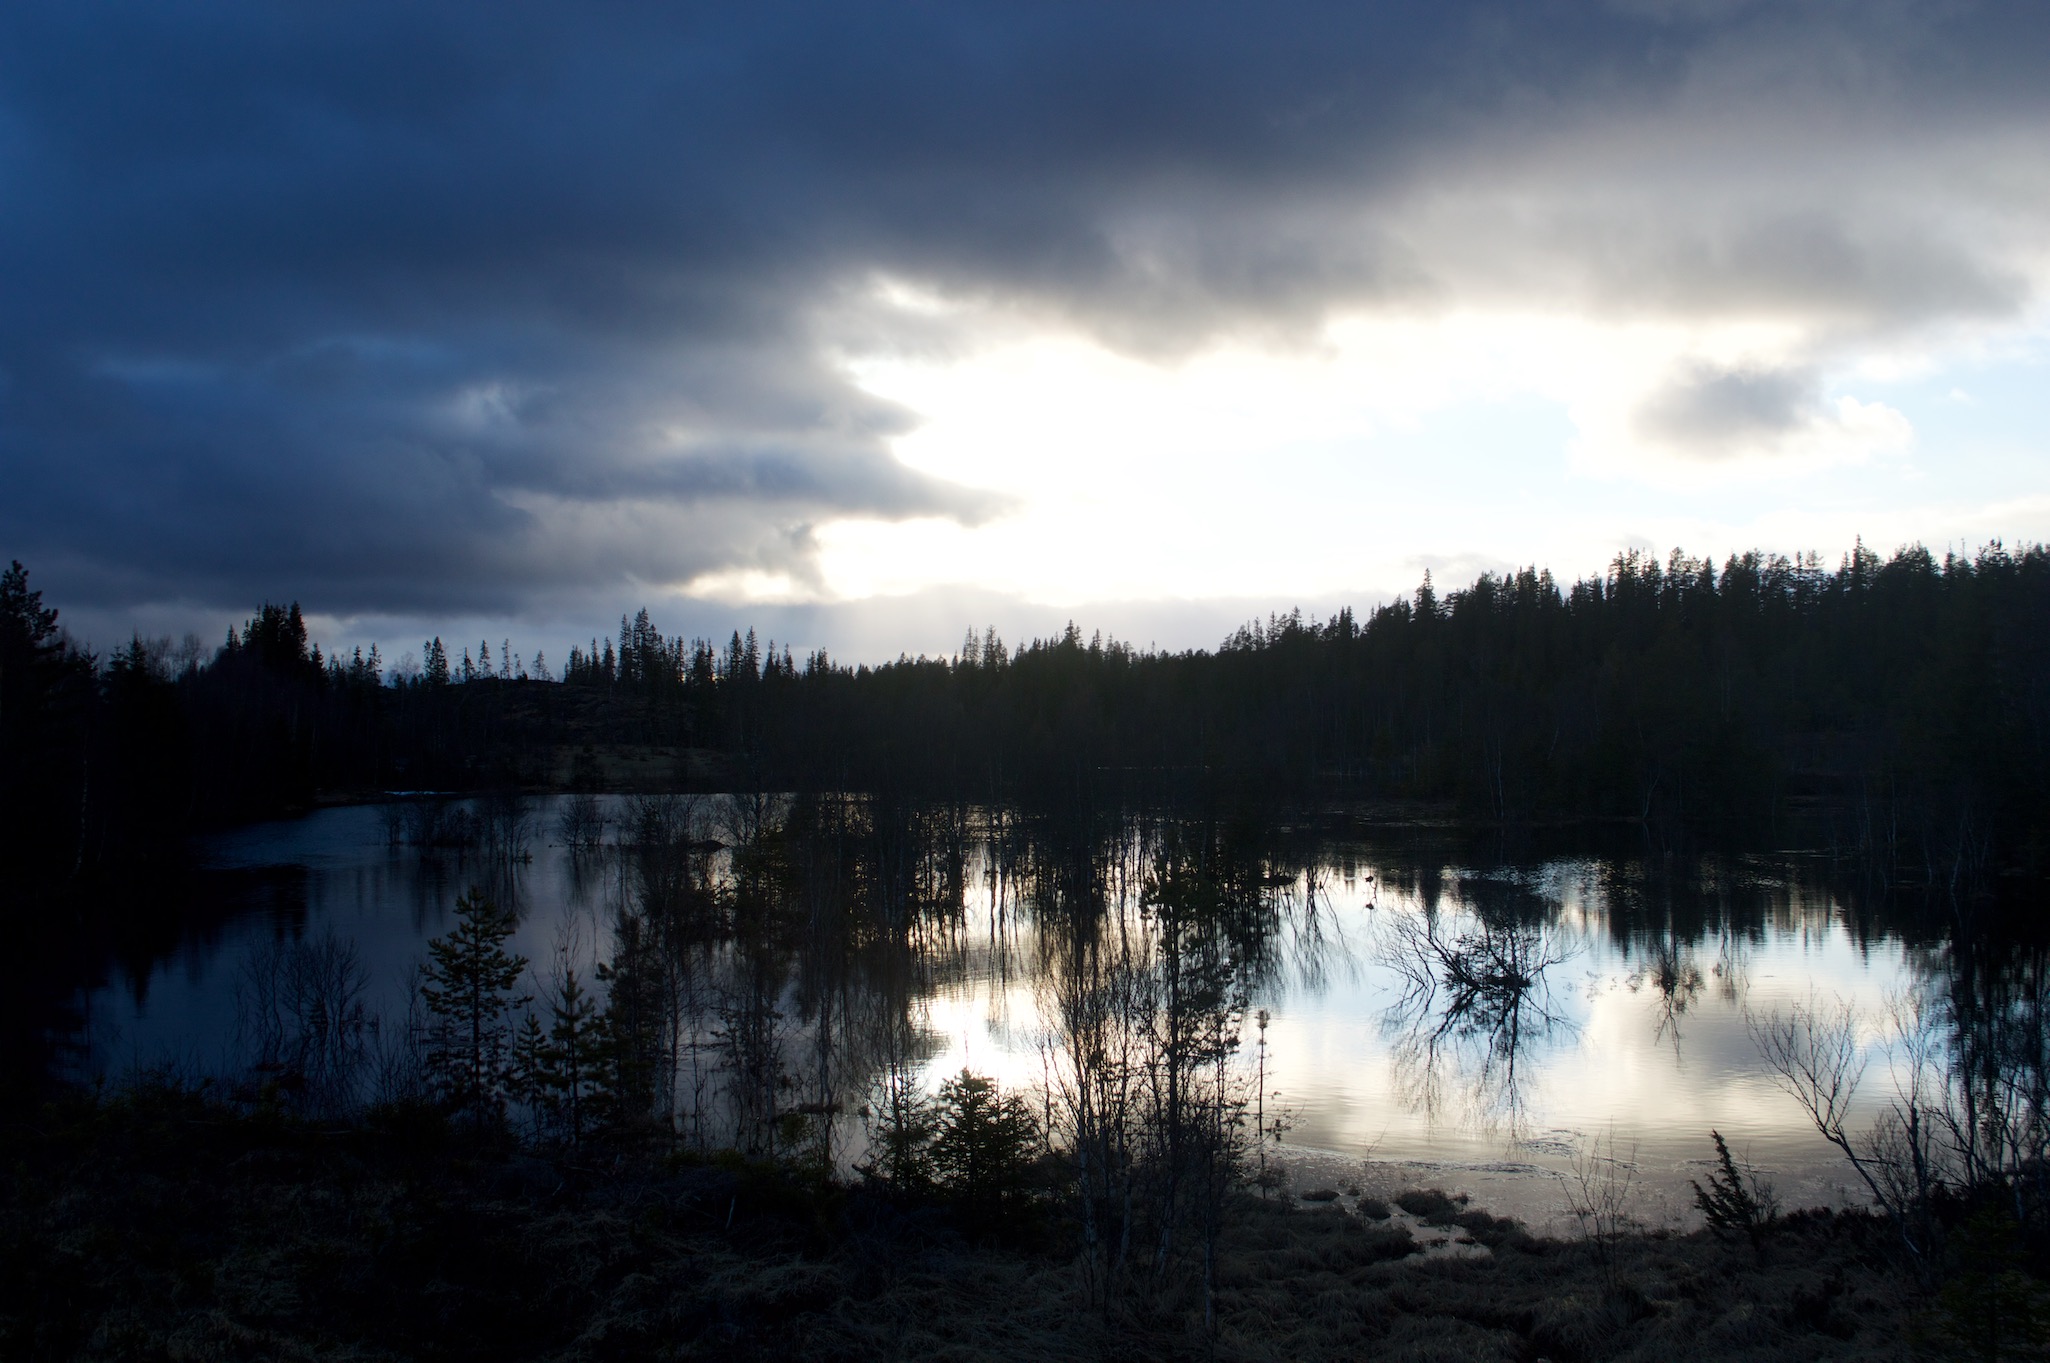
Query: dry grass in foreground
x=160, y=1227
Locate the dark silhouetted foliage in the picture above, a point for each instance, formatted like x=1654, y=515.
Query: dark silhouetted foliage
x=467, y=986
x=1895, y=710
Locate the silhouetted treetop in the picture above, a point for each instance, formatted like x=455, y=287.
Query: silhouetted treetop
x=1901, y=705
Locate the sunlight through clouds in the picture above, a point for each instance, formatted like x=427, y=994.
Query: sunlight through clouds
x=1023, y=308
x=1353, y=461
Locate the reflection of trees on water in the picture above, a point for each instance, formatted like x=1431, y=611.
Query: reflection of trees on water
x=778, y=958
x=1475, y=999
x=1967, y=1122
x=1984, y=1010
x=782, y=966
x=1307, y=940
x=781, y=972
x=1669, y=970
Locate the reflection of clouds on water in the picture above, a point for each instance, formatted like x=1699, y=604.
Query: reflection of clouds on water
x=1629, y=1011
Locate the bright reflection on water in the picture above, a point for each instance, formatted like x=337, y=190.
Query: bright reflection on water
x=1425, y=1008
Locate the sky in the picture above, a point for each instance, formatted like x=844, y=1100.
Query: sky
x=864, y=324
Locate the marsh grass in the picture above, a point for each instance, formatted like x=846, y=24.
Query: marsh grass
x=163, y=1225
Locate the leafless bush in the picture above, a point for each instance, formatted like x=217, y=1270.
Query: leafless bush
x=581, y=824
x=397, y=1054
x=1144, y=1097
x=1472, y=1001
x=1487, y=962
x=440, y=823
x=657, y=820
x=302, y=1022
x=1904, y=1159
x=743, y=818
x=1601, y=1191
x=506, y=820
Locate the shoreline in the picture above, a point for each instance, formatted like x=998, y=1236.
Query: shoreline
x=1533, y=1194
x=162, y=1224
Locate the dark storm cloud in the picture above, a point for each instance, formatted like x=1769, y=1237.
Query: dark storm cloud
x=437, y=306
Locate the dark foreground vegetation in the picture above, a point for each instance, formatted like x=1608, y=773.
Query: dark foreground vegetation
x=162, y=1225
x=1897, y=710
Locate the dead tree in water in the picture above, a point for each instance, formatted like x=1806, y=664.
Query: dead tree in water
x=1472, y=1001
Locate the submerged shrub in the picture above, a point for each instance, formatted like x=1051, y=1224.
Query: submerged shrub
x=1431, y=1205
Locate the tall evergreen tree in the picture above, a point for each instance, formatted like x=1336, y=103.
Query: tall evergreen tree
x=435, y=669
x=46, y=697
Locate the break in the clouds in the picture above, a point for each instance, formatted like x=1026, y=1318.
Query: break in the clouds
x=496, y=309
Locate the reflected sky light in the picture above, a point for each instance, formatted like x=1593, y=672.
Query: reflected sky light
x=1612, y=1052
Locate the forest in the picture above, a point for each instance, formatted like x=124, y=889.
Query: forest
x=1895, y=710
x=712, y=1131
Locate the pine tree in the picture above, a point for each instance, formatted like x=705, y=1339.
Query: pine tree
x=637, y=1047
x=1734, y=1204
x=984, y=1142
x=45, y=693
x=529, y=1047
x=901, y=1128
x=569, y=1064
x=467, y=987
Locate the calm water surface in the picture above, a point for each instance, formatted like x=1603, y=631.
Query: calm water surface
x=1632, y=1026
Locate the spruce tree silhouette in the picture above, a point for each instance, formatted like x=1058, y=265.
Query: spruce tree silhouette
x=467, y=986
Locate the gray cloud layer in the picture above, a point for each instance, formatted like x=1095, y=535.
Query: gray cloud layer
x=1707, y=406
x=434, y=306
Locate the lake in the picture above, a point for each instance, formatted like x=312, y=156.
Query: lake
x=1391, y=1051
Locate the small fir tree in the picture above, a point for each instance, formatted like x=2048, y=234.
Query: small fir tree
x=902, y=1124
x=1734, y=1204
x=983, y=1144
x=634, y=1034
x=568, y=1066
x=529, y=1046
x=467, y=987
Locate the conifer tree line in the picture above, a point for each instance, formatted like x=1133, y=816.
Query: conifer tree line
x=1898, y=708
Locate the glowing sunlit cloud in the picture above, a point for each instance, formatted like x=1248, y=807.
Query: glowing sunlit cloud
x=1388, y=443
